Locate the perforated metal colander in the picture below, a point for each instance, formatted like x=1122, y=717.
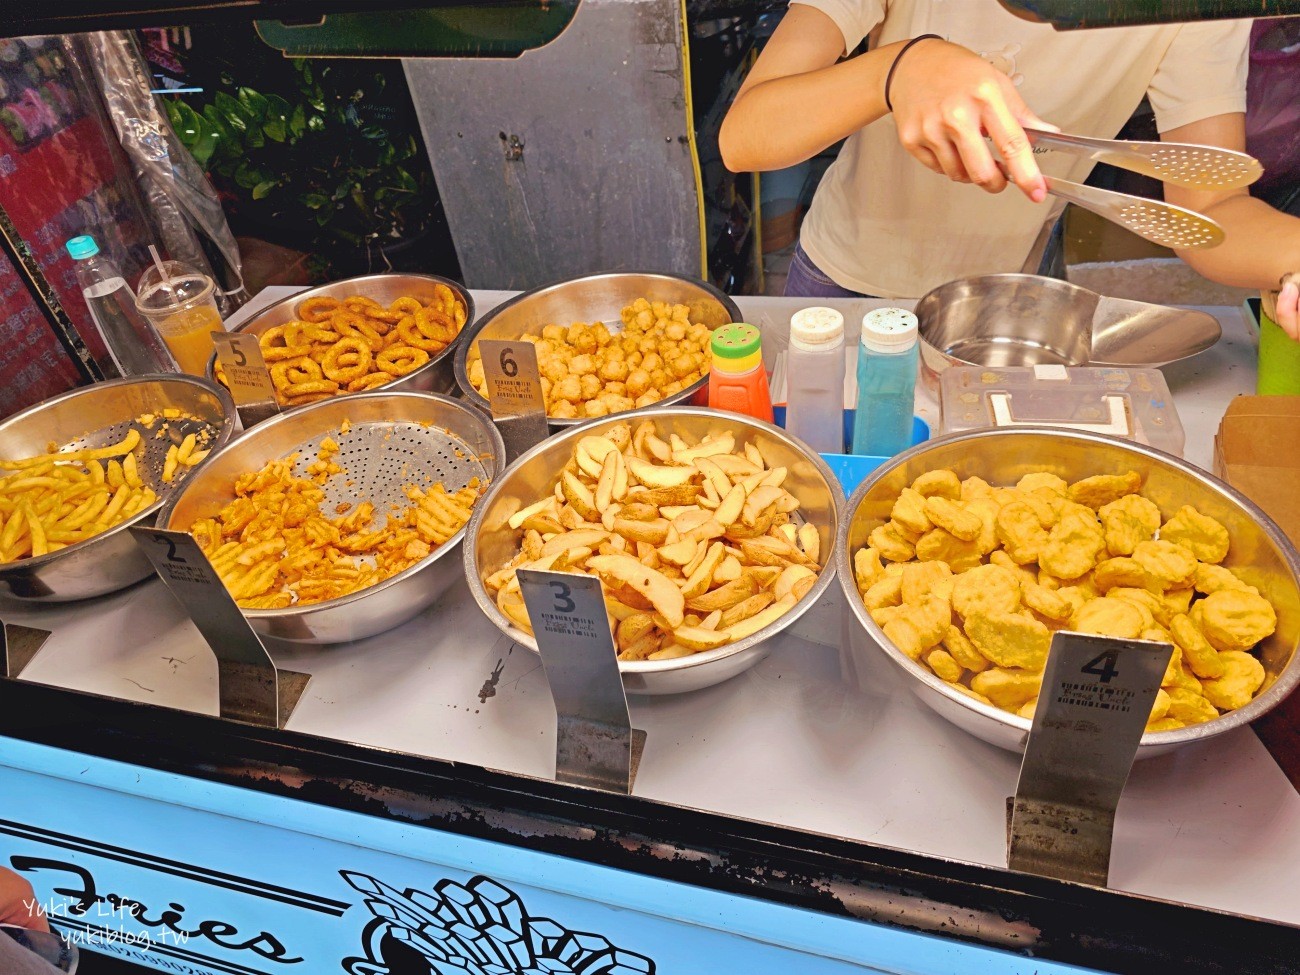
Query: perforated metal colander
x=110, y=561
x=394, y=440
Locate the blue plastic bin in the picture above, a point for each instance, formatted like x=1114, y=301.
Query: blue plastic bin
x=852, y=469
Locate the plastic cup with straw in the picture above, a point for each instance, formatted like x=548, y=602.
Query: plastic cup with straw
x=181, y=303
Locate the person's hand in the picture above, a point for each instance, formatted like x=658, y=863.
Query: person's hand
x=946, y=99
x=1288, y=306
x=18, y=904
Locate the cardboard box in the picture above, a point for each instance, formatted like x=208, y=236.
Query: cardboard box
x=1257, y=451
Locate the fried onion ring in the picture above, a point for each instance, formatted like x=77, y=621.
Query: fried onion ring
x=317, y=309
x=326, y=386
x=370, y=381
x=398, y=360
x=335, y=369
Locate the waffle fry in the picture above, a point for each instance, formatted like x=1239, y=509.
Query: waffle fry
x=274, y=546
x=354, y=343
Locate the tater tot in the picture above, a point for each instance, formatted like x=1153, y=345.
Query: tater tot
x=582, y=365
x=638, y=381
x=614, y=370
x=569, y=388
x=590, y=385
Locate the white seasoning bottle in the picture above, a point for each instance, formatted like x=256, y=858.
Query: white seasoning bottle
x=815, y=379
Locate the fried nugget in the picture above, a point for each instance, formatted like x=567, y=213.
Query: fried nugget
x=1120, y=571
x=1212, y=578
x=1046, y=602
x=909, y=511
x=1243, y=675
x=1020, y=531
x=1128, y=521
x=1010, y=639
x=891, y=545
x=944, y=666
x=988, y=589
x=1236, y=620
x=1190, y=707
x=958, y=522
x=963, y=651
x=1073, y=545
x=1109, y=617
x=1007, y=689
x=1197, y=653
x=1043, y=481
x=938, y=545
x=941, y=483
x=1169, y=565
x=921, y=578
x=1200, y=534
x=1102, y=489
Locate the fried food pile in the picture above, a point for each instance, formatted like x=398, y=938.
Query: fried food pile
x=273, y=546
x=351, y=344
x=696, y=543
x=587, y=371
x=59, y=498
x=971, y=580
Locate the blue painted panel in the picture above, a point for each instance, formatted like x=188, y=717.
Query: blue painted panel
x=193, y=876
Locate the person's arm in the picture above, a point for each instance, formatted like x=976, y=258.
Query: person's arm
x=18, y=905
x=1262, y=245
x=797, y=101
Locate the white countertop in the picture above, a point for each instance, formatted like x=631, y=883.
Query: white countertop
x=792, y=741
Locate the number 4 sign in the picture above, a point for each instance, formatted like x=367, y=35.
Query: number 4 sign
x=1092, y=710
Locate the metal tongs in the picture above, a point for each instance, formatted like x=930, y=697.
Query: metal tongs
x=1198, y=167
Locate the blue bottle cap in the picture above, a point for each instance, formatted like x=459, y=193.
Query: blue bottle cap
x=79, y=248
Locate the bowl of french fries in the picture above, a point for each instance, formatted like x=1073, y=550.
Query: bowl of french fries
x=711, y=532
x=342, y=519
x=606, y=343
x=79, y=469
x=961, y=557
x=396, y=332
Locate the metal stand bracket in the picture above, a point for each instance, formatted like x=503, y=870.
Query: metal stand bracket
x=595, y=743
x=251, y=688
x=1096, y=696
x=514, y=384
x=18, y=645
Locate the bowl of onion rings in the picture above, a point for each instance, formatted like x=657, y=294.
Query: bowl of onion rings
x=395, y=331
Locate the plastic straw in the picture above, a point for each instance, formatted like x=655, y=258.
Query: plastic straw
x=158, y=263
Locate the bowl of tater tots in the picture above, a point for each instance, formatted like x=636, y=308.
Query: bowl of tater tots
x=961, y=557
x=606, y=343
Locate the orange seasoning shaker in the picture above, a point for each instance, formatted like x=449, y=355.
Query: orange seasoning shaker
x=737, y=381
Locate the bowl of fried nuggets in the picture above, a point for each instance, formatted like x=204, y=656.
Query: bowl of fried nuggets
x=606, y=343
x=405, y=327
x=79, y=469
x=342, y=519
x=711, y=532
x=960, y=557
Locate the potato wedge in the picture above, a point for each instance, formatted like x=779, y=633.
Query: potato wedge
x=747, y=627
x=679, y=553
x=546, y=506
x=725, y=596
x=731, y=506
x=699, y=581
x=579, y=496
x=654, y=476
x=662, y=592
x=790, y=576
x=746, y=608
x=810, y=541
x=697, y=638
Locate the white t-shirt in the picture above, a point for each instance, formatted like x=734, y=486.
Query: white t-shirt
x=883, y=224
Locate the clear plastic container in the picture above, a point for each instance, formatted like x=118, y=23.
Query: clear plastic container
x=887, y=366
x=135, y=347
x=181, y=304
x=815, y=379
x=1130, y=403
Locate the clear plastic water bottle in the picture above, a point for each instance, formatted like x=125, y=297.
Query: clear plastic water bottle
x=134, y=344
x=814, y=410
x=887, y=362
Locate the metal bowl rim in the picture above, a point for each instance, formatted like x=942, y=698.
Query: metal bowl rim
x=294, y=612
x=300, y=296
x=1067, y=286
x=461, y=363
x=225, y=431
x=704, y=657
x=1286, y=680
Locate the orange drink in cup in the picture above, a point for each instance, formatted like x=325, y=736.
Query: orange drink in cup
x=180, y=303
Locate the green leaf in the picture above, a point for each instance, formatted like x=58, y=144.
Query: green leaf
x=262, y=188
x=298, y=121
x=315, y=123
x=255, y=103
x=276, y=126
x=235, y=114
x=247, y=176
x=315, y=201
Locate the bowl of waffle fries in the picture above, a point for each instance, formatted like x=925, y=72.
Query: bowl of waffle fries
x=77, y=470
x=711, y=533
x=606, y=343
x=395, y=332
x=340, y=520
x=960, y=558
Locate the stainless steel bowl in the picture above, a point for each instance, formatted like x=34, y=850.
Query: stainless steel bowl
x=395, y=439
x=1260, y=551
x=1026, y=320
x=95, y=416
x=531, y=477
x=435, y=376
x=595, y=298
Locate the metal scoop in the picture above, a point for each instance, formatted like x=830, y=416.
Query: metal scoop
x=1198, y=167
x=1161, y=223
